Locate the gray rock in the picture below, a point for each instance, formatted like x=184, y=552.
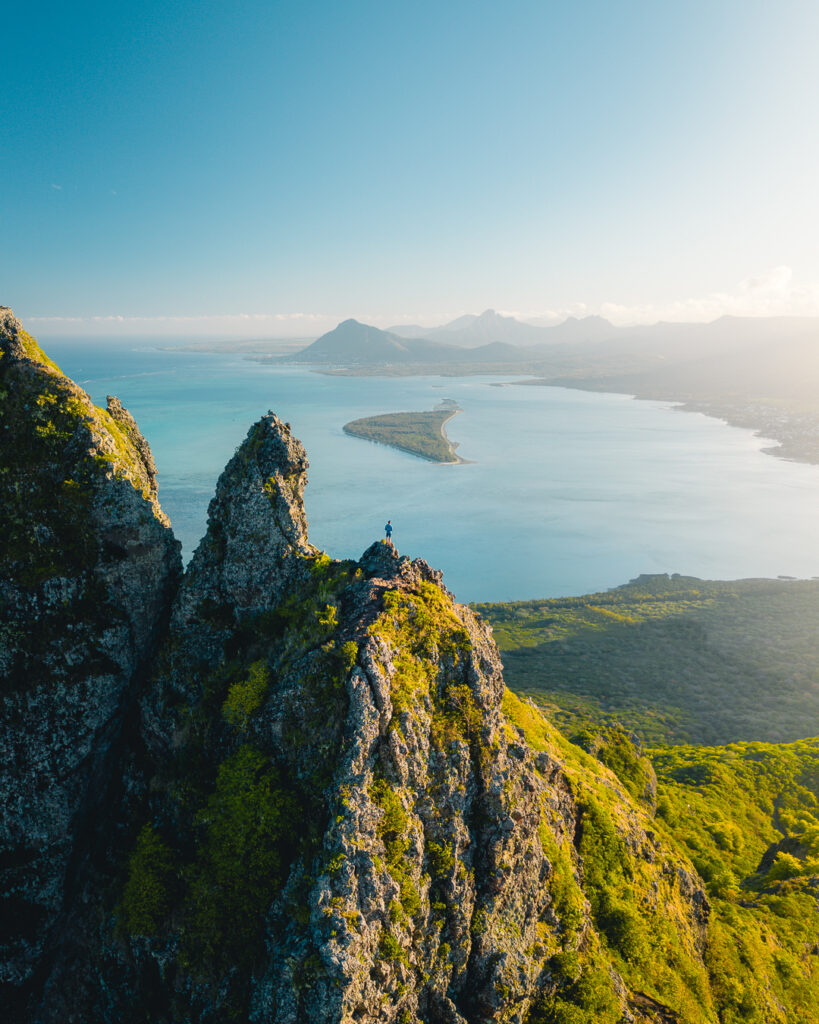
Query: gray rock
x=87, y=569
x=301, y=802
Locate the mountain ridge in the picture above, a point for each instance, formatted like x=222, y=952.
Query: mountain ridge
x=309, y=797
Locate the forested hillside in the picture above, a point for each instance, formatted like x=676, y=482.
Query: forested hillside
x=673, y=659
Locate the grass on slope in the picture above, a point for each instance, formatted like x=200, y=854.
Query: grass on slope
x=675, y=660
x=747, y=817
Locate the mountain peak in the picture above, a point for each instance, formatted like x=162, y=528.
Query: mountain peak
x=87, y=570
x=298, y=791
x=257, y=526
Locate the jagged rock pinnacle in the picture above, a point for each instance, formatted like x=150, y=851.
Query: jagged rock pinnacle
x=305, y=801
x=257, y=527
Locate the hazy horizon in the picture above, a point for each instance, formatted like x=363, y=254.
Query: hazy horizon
x=274, y=169
x=274, y=327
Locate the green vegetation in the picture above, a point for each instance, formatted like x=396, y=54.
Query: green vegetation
x=389, y=947
x=246, y=696
x=34, y=352
x=614, y=748
x=588, y=996
x=422, y=627
x=671, y=659
x=725, y=807
x=248, y=826
x=751, y=959
x=146, y=898
x=419, y=433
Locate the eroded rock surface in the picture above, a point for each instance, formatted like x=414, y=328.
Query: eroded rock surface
x=87, y=569
x=337, y=821
x=325, y=808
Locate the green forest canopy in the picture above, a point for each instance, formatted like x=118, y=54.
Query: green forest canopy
x=673, y=659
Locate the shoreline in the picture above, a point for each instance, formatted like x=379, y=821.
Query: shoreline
x=458, y=461
x=795, y=433
x=454, y=460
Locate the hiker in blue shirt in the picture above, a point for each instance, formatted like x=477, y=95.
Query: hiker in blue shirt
x=388, y=531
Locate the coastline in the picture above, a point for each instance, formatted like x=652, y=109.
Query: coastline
x=458, y=461
x=794, y=430
x=454, y=460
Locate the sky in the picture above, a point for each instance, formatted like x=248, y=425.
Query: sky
x=268, y=169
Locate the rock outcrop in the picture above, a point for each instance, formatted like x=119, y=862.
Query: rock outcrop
x=256, y=541
x=87, y=569
x=336, y=820
x=325, y=808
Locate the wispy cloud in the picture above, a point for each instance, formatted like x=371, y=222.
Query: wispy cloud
x=771, y=292
x=57, y=188
x=227, y=325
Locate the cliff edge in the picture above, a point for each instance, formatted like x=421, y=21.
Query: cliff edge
x=294, y=790
x=88, y=565
x=334, y=820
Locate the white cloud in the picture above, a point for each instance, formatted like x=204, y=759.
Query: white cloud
x=57, y=188
x=772, y=292
x=226, y=325
x=775, y=281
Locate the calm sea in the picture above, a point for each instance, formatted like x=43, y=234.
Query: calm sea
x=569, y=492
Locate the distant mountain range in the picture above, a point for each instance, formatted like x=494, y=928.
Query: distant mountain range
x=471, y=330
x=588, y=346
x=356, y=344
x=757, y=372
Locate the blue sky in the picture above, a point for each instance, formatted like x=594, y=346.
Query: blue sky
x=270, y=168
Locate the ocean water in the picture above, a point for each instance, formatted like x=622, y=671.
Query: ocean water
x=569, y=492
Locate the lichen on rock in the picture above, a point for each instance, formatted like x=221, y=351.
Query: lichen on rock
x=87, y=568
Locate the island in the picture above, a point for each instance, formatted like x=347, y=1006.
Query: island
x=419, y=433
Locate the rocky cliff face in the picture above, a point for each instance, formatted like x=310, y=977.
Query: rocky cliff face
x=338, y=822
x=327, y=808
x=87, y=568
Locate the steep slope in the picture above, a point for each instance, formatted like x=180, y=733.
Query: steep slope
x=337, y=822
x=324, y=807
x=87, y=568
x=746, y=815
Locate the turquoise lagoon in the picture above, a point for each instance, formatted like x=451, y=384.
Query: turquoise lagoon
x=568, y=492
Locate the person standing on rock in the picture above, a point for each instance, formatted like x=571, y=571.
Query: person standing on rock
x=388, y=531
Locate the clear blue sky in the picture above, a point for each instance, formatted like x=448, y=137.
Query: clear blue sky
x=407, y=161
